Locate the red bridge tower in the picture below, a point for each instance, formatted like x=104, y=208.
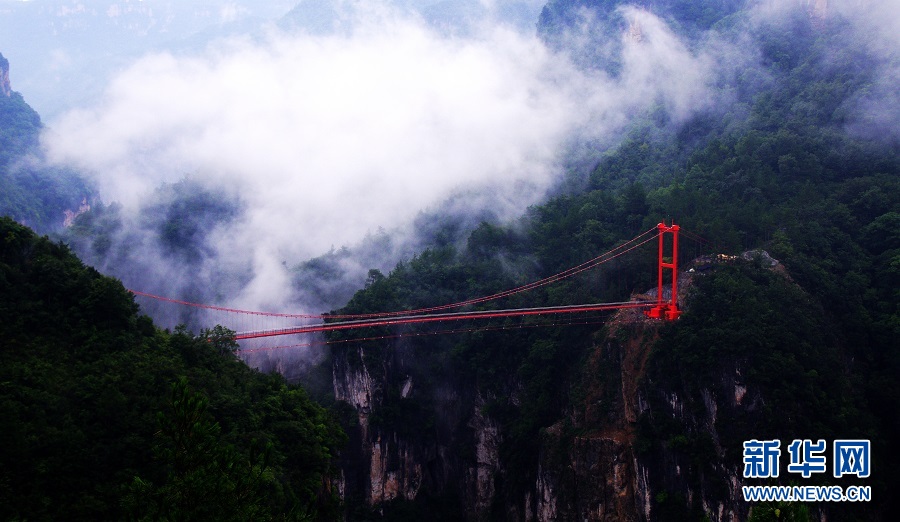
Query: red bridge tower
x=667, y=310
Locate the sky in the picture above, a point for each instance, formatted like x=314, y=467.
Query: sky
x=65, y=51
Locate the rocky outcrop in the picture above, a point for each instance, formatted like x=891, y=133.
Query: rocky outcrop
x=70, y=215
x=353, y=384
x=5, y=88
x=594, y=481
x=405, y=435
x=610, y=471
x=589, y=469
x=394, y=471
x=481, y=474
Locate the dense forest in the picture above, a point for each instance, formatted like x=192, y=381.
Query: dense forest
x=106, y=416
x=819, y=344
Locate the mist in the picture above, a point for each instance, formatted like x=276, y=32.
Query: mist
x=323, y=140
x=270, y=171
x=864, y=33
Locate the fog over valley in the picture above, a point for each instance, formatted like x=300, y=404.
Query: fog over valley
x=325, y=125
x=320, y=140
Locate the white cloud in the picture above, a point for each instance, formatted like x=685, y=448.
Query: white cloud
x=866, y=32
x=661, y=66
x=231, y=12
x=328, y=138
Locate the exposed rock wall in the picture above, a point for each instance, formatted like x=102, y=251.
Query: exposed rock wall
x=591, y=464
x=394, y=471
x=595, y=481
x=406, y=438
x=637, y=440
x=604, y=471
x=480, y=474
x=588, y=467
x=5, y=88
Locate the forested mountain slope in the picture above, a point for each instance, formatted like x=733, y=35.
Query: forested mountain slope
x=535, y=423
x=105, y=417
x=795, y=152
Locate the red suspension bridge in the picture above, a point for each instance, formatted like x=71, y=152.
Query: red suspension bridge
x=662, y=307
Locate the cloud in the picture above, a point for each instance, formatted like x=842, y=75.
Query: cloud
x=861, y=36
x=875, y=111
x=661, y=66
x=324, y=139
x=231, y=12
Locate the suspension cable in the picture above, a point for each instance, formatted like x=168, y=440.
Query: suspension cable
x=602, y=258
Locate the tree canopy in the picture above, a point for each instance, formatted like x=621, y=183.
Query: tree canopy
x=104, y=416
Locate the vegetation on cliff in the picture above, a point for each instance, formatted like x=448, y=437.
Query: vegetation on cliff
x=789, y=170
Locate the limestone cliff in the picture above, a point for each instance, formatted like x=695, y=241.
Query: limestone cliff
x=651, y=429
x=611, y=469
x=5, y=88
x=403, y=434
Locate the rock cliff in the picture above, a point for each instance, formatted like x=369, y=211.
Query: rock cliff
x=5, y=88
x=615, y=466
x=404, y=433
x=651, y=429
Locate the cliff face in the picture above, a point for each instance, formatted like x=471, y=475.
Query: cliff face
x=384, y=465
x=406, y=433
x=416, y=436
x=657, y=432
x=5, y=88
x=412, y=440
x=588, y=467
x=614, y=467
x=652, y=428
x=480, y=474
x=420, y=436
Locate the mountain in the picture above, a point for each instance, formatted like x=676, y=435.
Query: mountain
x=106, y=417
x=634, y=419
x=32, y=192
x=5, y=88
x=786, y=175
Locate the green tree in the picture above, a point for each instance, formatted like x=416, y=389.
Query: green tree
x=207, y=479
